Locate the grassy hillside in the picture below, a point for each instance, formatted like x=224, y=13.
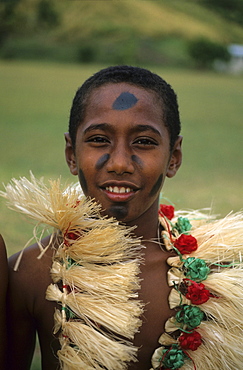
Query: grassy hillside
x=117, y=31
x=154, y=19
x=144, y=18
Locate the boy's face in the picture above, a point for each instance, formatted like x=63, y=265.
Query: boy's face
x=122, y=153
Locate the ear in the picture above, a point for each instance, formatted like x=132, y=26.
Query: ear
x=175, y=159
x=70, y=155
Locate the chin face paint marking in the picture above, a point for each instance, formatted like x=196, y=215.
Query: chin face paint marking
x=118, y=211
x=157, y=185
x=124, y=101
x=102, y=160
x=83, y=182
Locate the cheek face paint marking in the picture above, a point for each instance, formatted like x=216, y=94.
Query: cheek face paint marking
x=101, y=161
x=157, y=185
x=137, y=160
x=124, y=101
x=83, y=182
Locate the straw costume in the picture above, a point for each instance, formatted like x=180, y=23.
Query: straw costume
x=95, y=280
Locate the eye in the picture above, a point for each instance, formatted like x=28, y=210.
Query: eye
x=98, y=139
x=145, y=141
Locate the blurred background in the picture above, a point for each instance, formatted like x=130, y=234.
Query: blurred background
x=49, y=47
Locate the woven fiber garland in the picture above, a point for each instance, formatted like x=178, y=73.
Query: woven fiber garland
x=95, y=280
x=206, y=278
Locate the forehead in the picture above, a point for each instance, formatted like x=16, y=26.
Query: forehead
x=123, y=96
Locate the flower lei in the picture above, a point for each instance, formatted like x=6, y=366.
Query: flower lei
x=188, y=317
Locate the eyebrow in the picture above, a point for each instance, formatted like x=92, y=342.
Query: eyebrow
x=104, y=126
x=97, y=126
x=142, y=128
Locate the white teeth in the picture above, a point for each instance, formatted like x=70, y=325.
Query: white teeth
x=115, y=189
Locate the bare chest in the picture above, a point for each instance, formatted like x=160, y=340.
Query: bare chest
x=154, y=293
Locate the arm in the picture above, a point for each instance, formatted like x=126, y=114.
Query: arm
x=3, y=291
x=20, y=323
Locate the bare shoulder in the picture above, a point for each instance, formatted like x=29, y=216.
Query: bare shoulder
x=2, y=245
x=27, y=309
x=32, y=274
x=30, y=254
x=4, y=283
x=3, y=259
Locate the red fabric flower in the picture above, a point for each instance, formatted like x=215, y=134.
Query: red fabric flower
x=167, y=211
x=186, y=244
x=197, y=293
x=70, y=236
x=190, y=340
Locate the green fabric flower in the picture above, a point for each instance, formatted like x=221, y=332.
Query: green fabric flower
x=71, y=262
x=191, y=316
x=183, y=225
x=69, y=313
x=174, y=357
x=197, y=269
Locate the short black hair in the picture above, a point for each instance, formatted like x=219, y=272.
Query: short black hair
x=137, y=76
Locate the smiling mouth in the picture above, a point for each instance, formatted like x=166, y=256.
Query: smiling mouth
x=119, y=190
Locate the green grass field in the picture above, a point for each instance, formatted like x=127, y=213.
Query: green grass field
x=35, y=102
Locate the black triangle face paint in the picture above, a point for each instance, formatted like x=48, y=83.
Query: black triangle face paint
x=157, y=185
x=101, y=161
x=82, y=181
x=124, y=101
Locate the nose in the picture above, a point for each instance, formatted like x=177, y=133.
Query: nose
x=120, y=160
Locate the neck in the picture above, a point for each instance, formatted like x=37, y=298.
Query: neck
x=146, y=225
x=149, y=230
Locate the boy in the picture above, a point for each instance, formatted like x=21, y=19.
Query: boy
x=123, y=134
x=123, y=142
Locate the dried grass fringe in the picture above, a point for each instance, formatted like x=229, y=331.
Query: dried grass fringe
x=112, y=354
x=97, y=264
